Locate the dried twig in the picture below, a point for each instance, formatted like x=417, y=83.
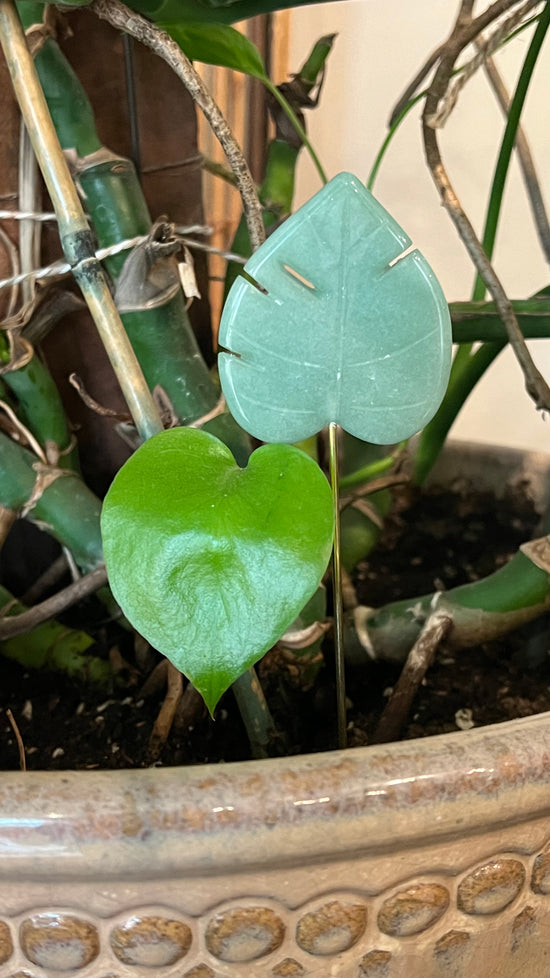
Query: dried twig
x=191, y=708
x=120, y=17
x=19, y=740
x=163, y=723
x=465, y=31
x=7, y=519
x=27, y=620
x=525, y=158
x=419, y=660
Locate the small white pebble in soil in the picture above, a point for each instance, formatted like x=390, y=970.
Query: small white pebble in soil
x=103, y=706
x=80, y=709
x=127, y=701
x=26, y=712
x=463, y=719
x=58, y=752
x=139, y=704
x=114, y=748
x=388, y=691
x=99, y=719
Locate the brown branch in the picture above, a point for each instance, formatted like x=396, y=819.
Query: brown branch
x=464, y=32
x=19, y=740
x=163, y=723
x=120, y=17
x=27, y=620
x=418, y=662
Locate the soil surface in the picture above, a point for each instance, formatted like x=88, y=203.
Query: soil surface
x=441, y=541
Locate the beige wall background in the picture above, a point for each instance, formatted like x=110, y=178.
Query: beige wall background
x=380, y=45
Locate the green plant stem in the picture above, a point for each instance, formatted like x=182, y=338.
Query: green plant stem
x=54, y=646
x=395, y=123
x=255, y=714
x=76, y=238
x=480, y=321
x=370, y=471
x=467, y=369
x=480, y=612
x=67, y=508
x=161, y=335
x=39, y=407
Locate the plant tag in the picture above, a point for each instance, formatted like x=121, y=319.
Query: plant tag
x=351, y=326
x=186, y=271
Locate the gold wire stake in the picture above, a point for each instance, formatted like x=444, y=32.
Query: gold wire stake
x=337, y=588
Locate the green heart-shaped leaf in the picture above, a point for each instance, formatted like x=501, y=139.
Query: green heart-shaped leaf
x=348, y=328
x=210, y=562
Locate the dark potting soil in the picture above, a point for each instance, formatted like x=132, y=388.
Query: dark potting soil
x=441, y=541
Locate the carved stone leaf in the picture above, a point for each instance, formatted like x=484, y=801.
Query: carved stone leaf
x=350, y=326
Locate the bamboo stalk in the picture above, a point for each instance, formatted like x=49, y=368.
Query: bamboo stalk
x=76, y=238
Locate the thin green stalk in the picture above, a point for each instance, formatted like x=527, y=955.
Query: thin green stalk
x=467, y=366
x=507, y=145
x=293, y=118
x=56, y=647
x=370, y=471
x=417, y=98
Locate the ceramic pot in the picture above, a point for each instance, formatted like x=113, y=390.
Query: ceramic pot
x=422, y=859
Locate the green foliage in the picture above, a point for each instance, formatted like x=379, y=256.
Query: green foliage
x=211, y=562
x=217, y=44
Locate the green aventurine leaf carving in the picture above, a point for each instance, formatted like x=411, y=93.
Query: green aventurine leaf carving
x=210, y=562
x=348, y=329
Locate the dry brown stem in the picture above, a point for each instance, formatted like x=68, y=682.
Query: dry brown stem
x=163, y=723
x=124, y=19
x=27, y=620
x=465, y=31
x=418, y=662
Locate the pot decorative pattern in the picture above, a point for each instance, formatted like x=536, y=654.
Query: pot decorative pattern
x=347, y=933
x=422, y=859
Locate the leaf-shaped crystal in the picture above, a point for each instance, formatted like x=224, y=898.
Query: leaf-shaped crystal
x=348, y=326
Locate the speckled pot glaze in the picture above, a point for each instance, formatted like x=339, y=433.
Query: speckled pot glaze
x=425, y=859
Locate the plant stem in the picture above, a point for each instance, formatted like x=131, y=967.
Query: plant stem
x=293, y=118
x=508, y=141
x=68, y=509
x=482, y=611
x=466, y=370
x=121, y=17
x=480, y=321
x=337, y=591
x=76, y=238
x=255, y=714
x=54, y=646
